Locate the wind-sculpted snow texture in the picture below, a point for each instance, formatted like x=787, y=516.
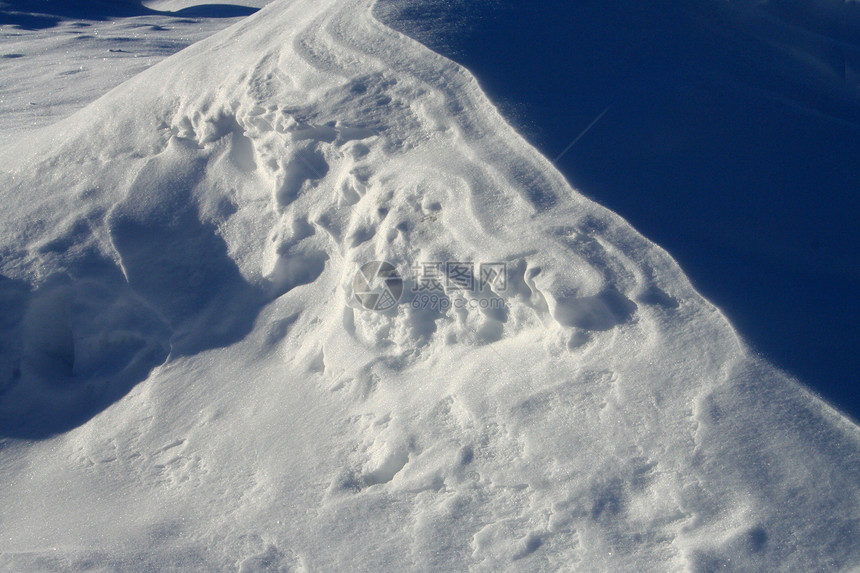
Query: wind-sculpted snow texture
x=188, y=381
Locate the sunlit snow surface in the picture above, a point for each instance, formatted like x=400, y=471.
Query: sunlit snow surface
x=57, y=56
x=178, y=264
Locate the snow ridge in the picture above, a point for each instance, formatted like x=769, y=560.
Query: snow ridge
x=177, y=293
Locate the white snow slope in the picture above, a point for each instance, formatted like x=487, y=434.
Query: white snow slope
x=64, y=63
x=188, y=381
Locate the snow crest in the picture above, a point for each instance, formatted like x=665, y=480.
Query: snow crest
x=187, y=378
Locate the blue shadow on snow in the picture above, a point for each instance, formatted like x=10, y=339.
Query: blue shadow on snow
x=732, y=139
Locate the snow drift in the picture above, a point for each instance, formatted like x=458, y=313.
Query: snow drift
x=187, y=378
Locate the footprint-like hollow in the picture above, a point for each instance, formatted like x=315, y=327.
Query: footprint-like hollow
x=306, y=165
x=296, y=269
x=392, y=463
x=602, y=311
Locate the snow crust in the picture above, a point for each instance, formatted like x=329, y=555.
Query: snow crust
x=187, y=379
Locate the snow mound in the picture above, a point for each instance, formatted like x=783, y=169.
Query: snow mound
x=188, y=378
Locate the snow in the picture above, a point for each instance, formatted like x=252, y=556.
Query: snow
x=726, y=132
x=188, y=380
x=58, y=56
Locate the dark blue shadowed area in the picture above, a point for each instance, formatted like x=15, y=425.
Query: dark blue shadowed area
x=85, y=336
x=732, y=139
